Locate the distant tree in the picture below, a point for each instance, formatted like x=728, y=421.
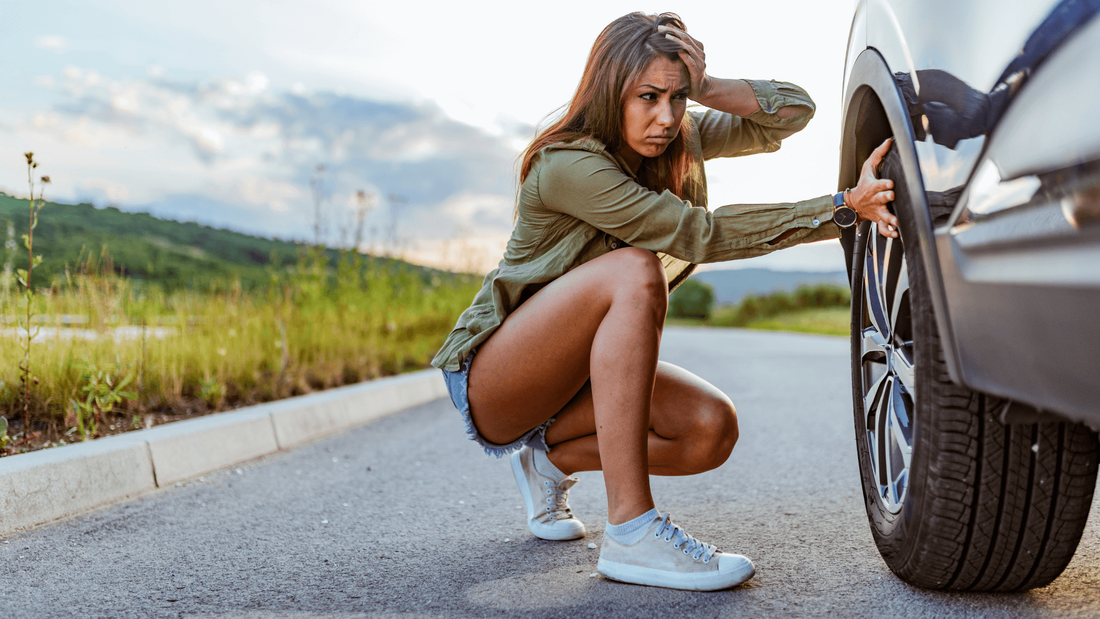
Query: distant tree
x=693, y=299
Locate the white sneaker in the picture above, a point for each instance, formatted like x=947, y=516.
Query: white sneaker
x=548, y=513
x=666, y=556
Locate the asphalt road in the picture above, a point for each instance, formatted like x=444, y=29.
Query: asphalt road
x=404, y=518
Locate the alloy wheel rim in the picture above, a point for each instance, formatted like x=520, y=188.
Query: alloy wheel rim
x=886, y=367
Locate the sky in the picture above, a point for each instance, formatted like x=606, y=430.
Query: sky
x=223, y=112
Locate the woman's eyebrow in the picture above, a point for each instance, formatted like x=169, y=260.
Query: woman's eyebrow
x=664, y=90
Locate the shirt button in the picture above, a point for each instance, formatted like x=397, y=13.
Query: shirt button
x=614, y=245
x=816, y=223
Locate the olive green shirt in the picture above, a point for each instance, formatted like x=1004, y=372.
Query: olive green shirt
x=580, y=201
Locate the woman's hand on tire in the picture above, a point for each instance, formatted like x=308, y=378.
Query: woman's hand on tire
x=871, y=195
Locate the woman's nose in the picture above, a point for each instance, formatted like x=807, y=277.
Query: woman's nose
x=665, y=117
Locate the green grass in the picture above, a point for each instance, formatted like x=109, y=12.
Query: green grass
x=315, y=326
x=825, y=321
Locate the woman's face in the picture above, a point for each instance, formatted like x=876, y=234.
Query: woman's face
x=652, y=110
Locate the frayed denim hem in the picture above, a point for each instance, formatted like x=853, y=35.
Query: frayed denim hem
x=458, y=385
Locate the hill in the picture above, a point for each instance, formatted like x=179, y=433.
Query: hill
x=730, y=286
x=169, y=254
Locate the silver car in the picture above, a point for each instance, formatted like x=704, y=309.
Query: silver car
x=976, y=334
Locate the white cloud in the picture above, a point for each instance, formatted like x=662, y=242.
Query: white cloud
x=114, y=192
x=43, y=121
x=82, y=133
x=239, y=143
x=466, y=207
x=51, y=42
x=256, y=82
x=270, y=194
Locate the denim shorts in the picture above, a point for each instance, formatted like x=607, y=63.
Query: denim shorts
x=458, y=384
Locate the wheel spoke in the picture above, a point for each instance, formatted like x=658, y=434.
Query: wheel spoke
x=902, y=485
x=885, y=423
x=873, y=344
x=880, y=258
x=900, y=421
x=903, y=367
x=873, y=297
x=872, y=398
x=900, y=291
x=885, y=260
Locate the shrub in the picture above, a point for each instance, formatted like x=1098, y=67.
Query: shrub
x=754, y=307
x=693, y=299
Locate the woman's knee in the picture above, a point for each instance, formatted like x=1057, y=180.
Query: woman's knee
x=639, y=272
x=713, y=435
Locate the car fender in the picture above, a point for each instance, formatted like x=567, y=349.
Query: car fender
x=869, y=76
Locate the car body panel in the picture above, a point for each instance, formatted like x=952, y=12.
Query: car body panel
x=1021, y=255
x=940, y=34
x=1016, y=289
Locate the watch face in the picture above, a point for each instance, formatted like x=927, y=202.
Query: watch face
x=844, y=217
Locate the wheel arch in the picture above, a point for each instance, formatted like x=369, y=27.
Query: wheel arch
x=873, y=111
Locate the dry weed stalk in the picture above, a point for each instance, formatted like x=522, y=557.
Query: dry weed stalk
x=26, y=376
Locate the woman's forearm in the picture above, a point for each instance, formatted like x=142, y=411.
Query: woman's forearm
x=737, y=97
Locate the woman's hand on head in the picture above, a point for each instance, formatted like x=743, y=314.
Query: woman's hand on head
x=694, y=58
x=871, y=195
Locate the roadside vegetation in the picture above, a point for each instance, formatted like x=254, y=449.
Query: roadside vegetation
x=819, y=309
x=88, y=350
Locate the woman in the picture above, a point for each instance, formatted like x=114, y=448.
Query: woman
x=556, y=360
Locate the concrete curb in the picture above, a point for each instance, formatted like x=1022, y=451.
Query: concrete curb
x=41, y=486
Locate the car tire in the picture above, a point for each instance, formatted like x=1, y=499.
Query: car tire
x=955, y=498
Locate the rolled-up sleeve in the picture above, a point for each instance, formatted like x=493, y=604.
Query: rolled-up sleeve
x=725, y=135
x=592, y=188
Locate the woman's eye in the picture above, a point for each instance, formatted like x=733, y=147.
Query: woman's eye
x=650, y=96
x=680, y=96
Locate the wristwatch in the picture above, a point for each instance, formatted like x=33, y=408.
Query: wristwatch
x=843, y=215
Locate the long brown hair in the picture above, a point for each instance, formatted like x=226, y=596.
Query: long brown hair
x=619, y=56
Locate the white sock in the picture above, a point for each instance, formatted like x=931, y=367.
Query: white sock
x=545, y=466
x=632, y=531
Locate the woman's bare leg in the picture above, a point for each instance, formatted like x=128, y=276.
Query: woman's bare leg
x=693, y=428
x=603, y=321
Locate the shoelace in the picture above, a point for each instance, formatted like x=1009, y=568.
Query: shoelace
x=697, y=549
x=557, y=499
